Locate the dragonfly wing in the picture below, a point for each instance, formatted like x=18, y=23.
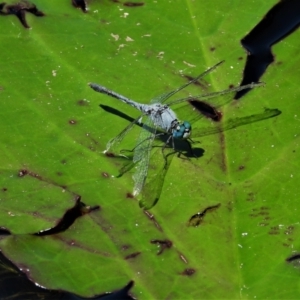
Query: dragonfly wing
x=156, y=177
x=162, y=98
x=142, y=155
x=237, y=122
x=170, y=94
x=190, y=114
x=113, y=143
x=217, y=94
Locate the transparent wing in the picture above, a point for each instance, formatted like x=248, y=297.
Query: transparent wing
x=162, y=98
x=113, y=143
x=156, y=177
x=217, y=94
x=237, y=122
x=187, y=113
x=142, y=155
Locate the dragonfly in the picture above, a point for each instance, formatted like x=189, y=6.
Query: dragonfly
x=161, y=119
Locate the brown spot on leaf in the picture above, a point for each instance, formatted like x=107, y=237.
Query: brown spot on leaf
x=109, y=154
x=22, y=173
x=125, y=247
x=133, y=4
x=197, y=219
x=72, y=122
x=164, y=244
x=82, y=102
x=104, y=174
x=188, y=272
x=132, y=255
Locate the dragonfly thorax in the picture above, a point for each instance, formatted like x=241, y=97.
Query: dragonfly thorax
x=181, y=130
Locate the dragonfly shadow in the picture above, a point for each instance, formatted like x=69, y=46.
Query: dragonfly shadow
x=181, y=146
x=118, y=113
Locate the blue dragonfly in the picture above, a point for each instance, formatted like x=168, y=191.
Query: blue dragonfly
x=160, y=121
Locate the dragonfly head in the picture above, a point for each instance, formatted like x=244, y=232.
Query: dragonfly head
x=182, y=130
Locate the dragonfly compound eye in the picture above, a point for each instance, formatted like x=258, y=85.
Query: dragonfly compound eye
x=182, y=131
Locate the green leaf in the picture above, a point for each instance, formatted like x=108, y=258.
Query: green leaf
x=52, y=127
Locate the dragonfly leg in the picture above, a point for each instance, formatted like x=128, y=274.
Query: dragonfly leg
x=164, y=146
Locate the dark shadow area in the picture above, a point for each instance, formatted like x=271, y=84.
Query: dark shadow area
x=80, y=4
x=19, y=10
x=206, y=109
x=14, y=284
x=280, y=21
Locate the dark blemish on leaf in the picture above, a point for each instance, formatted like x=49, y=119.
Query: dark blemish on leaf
x=80, y=4
x=125, y=247
x=188, y=272
x=274, y=230
x=231, y=86
x=133, y=4
x=293, y=258
x=72, y=122
x=4, y=231
x=240, y=58
x=250, y=197
x=104, y=174
x=285, y=245
x=264, y=208
x=63, y=161
x=59, y=173
x=197, y=219
x=279, y=22
x=69, y=217
x=152, y=218
x=22, y=173
x=206, y=109
x=289, y=230
x=82, y=102
x=163, y=244
x=19, y=10
x=4, y=189
x=109, y=154
x=71, y=243
x=241, y=167
x=129, y=195
x=212, y=49
x=132, y=255
x=263, y=224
